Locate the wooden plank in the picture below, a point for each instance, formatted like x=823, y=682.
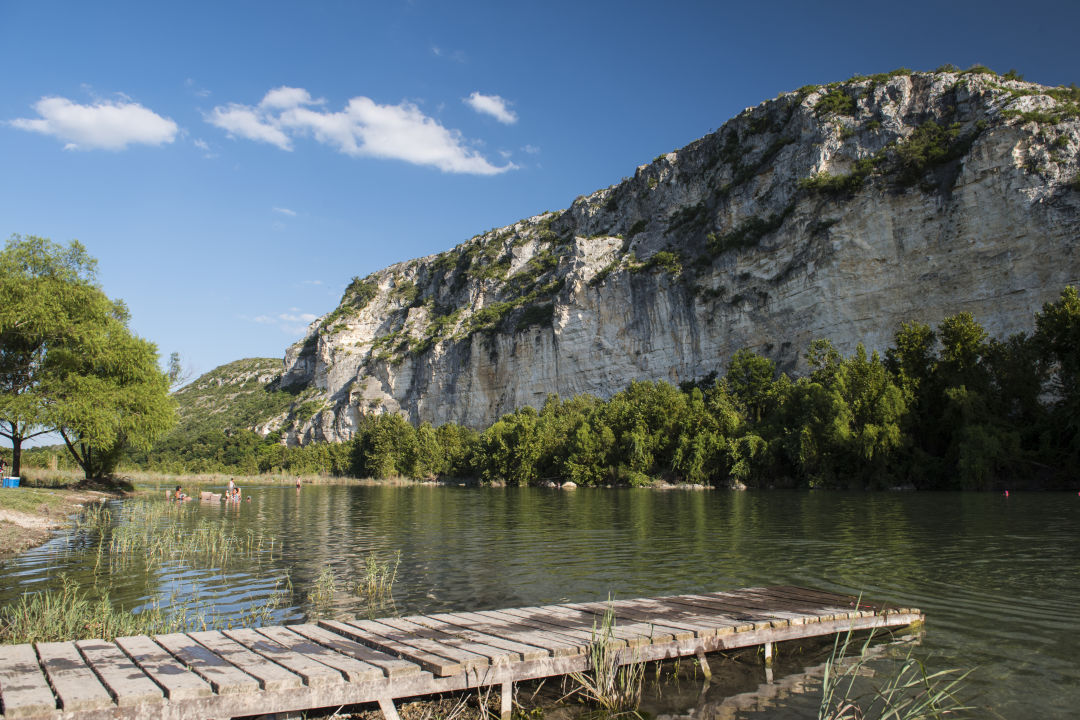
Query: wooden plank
x=333, y=635
x=434, y=658
x=173, y=677
x=313, y=672
x=634, y=632
x=626, y=615
x=491, y=655
x=756, y=607
x=537, y=620
x=836, y=600
x=222, y=675
x=74, y=682
x=270, y=675
x=746, y=618
x=518, y=650
x=816, y=611
x=719, y=624
x=557, y=645
x=354, y=670
x=24, y=690
x=126, y=683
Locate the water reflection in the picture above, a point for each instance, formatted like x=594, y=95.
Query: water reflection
x=996, y=576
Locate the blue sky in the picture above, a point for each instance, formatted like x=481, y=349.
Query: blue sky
x=233, y=164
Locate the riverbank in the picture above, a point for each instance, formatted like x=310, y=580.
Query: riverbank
x=45, y=502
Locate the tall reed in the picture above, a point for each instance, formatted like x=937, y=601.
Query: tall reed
x=614, y=686
x=376, y=582
x=68, y=614
x=911, y=692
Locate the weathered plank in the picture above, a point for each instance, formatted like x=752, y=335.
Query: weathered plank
x=414, y=624
x=75, y=684
x=624, y=615
x=222, y=675
x=334, y=635
x=24, y=691
x=173, y=677
x=635, y=633
x=270, y=675
x=811, y=611
x=313, y=672
x=546, y=623
x=126, y=683
x=422, y=639
x=556, y=645
x=744, y=602
x=389, y=640
x=711, y=622
x=352, y=669
x=743, y=616
x=515, y=650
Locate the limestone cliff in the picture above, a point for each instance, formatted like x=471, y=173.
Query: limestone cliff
x=835, y=212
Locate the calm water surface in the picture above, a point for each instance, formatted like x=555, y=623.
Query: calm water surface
x=997, y=577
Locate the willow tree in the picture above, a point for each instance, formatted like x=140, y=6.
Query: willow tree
x=68, y=361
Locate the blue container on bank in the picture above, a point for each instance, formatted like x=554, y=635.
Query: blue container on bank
x=11, y=482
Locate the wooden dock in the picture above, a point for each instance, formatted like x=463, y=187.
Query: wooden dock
x=283, y=669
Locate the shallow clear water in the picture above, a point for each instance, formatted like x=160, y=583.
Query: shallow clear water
x=997, y=577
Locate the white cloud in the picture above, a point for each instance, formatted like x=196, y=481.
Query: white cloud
x=531, y=149
x=101, y=126
x=247, y=122
x=285, y=97
x=285, y=211
x=362, y=128
x=492, y=105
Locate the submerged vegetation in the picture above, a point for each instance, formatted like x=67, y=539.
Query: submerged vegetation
x=943, y=408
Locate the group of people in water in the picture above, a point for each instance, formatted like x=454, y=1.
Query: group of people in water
x=231, y=494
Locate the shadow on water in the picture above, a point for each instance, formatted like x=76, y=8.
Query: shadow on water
x=995, y=576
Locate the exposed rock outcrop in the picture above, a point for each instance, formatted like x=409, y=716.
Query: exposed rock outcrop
x=832, y=212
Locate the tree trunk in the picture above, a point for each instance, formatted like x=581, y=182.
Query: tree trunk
x=16, y=454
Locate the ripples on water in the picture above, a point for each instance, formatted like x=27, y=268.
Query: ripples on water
x=996, y=577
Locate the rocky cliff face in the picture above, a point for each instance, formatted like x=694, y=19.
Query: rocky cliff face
x=835, y=212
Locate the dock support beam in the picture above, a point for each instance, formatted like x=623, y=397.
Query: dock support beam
x=768, y=654
x=388, y=710
x=704, y=663
x=506, y=698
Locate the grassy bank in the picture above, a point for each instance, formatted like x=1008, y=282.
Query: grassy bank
x=45, y=501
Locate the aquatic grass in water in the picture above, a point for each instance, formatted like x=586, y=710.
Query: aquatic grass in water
x=68, y=614
x=614, y=687
x=909, y=693
x=376, y=584
x=157, y=532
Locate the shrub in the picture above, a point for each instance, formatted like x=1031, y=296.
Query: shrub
x=748, y=233
x=835, y=102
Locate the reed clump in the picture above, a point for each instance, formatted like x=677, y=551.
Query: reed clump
x=610, y=684
x=911, y=692
x=68, y=613
x=156, y=532
x=376, y=582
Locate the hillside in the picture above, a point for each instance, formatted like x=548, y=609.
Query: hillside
x=836, y=211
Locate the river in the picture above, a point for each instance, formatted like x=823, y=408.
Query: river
x=997, y=577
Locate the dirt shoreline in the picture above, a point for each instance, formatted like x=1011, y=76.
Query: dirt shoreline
x=30, y=516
